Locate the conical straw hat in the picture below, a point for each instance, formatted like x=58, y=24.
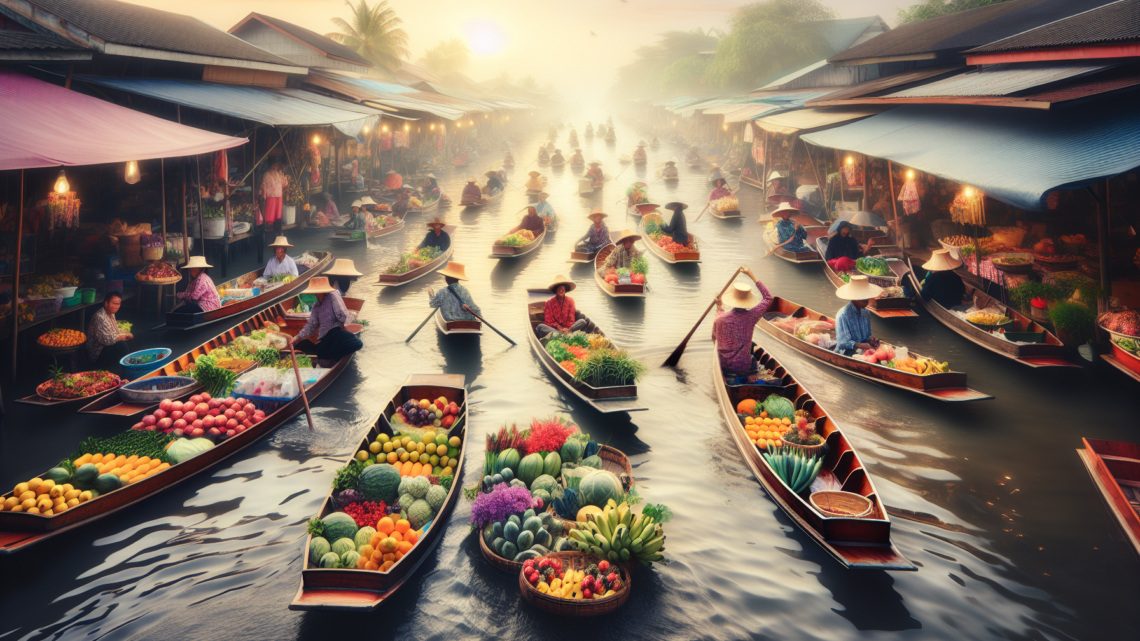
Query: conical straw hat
x=455, y=270
x=318, y=285
x=941, y=261
x=562, y=280
x=740, y=295
x=859, y=289
x=343, y=267
x=198, y=262
x=280, y=242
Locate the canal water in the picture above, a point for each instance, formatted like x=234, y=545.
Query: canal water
x=1011, y=538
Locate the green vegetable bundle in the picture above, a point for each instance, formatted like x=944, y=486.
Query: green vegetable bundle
x=130, y=443
x=217, y=381
x=577, y=338
x=795, y=468
x=1128, y=345
x=513, y=240
x=609, y=368
x=557, y=349
x=639, y=265
x=873, y=265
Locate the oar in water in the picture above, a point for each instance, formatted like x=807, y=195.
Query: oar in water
x=301, y=386
x=675, y=357
x=409, y=339
x=481, y=319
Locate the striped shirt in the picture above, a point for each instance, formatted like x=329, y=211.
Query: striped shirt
x=852, y=325
x=621, y=258
x=202, y=292
x=451, y=308
x=102, y=330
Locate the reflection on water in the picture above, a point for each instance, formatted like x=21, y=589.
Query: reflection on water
x=989, y=499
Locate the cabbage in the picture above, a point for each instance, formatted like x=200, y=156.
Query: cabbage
x=779, y=407
x=183, y=448
x=873, y=265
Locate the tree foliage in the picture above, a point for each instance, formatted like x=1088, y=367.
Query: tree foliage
x=643, y=76
x=938, y=8
x=528, y=82
x=374, y=32
x=447, y=57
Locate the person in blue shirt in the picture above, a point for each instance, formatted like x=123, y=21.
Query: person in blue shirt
x=853, y=322
x=790, y=234
x=546, y=211
x=454, y=301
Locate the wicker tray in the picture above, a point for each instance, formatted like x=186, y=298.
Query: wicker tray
x=43, y=385
x=506, y=565
x=841, y=504
x=158, y=281
x=576, y=607
x=58, y=350
x=152, y=390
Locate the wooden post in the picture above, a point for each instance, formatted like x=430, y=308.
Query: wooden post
x=260, y=236
x=894, y=201
x=162, y=191
x=818, y=182
x=201, y=225
x=839, y=163
x=185, y=238
x=866, y=186
x=1103, y=230
x=16, y=276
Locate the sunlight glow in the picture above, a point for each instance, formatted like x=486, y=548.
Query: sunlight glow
x=484, y=36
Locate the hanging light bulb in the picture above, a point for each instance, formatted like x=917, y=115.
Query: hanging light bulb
x=365, y=130
x=61, y=186
x=131, y=175
x=910, y=174
x=384, y=129
x=850, y=160
x=432, y=126
x=407, y=127
x=316, y=140
x=969, y=192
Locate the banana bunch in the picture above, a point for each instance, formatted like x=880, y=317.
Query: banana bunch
x=617, y=535
x=930, y=366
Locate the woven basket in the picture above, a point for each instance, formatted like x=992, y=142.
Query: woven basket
x=152, y=390
x=159, y=281
x=807, y=449
x=1012, y=236
x=576, y=607
x=613, y=460
x=848, y=504
x=506, y=565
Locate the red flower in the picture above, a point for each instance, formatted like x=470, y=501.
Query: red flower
x=548, y=435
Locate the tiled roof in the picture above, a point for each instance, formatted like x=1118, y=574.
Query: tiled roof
x=30, y=40
x=1115, y=22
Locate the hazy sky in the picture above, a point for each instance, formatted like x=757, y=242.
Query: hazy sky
x=548, y=39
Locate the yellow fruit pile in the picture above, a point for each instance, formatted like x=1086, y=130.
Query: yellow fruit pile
x=38, y=496
x=983, y=318
x=569, y=587
x=62, y=338
x=435, y=453
x=129, y=469
x=765, y=432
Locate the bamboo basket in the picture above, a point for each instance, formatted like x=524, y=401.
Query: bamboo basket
x=841, y=504
x=499, y=562
x=807, y=449
x=576, y=607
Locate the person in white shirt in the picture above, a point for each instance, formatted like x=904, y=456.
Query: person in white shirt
x=281, y=263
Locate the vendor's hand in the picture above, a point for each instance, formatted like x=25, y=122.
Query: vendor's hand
x=863, y=346
x=719, y=305
x=431, y=292
x=467, y=309
x=874, y=341
x=125, y=337
x=748, y=271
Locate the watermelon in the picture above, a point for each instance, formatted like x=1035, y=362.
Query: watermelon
x=508, y=460
x=526, y=515
x=343, y=546
x=339, y=525
x=509, y=550
x=544, y=538
x=514, y=518
x=599, y=487
x=544, y=482
x=552, y=465
x=594, y=461
x=330, y=560
x=496, y=530
x=530, y=468
x=517, y=483
x=511, y=531
x=497, y=545
x=107, y=483
x=489, y=533
x=85, y=476
x=526, y=554
x=380, y=483
x=57, y=474
x=318, y=547
x=507, y=474
x=363, y=536
x=543, y=495
x=572, y=451
x=526, y=539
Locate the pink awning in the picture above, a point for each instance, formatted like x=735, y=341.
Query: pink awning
x=47, y=126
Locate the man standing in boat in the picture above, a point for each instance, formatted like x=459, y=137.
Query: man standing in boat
x=853, y=322
x=454, y=301
x=281, y=263
x=732, y=329
x=436, y=237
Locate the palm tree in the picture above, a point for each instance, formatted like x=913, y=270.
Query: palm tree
x=528, y=82
x=374, y=32
x=447, y=57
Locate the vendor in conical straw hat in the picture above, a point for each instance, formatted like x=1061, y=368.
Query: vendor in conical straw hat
x=454, y=301
x=281, y=263
x=343, y=274
x=670, y=170
x=560, y=314
x=576, y=157
x=943, y=284
x=678, y=226
x=327, y=319
x=624, y=253
x=436, y=236
x=595, y=172
x=494, y=182
x=546, y=211
x=557, y=157
x=790, y=235
x=693, y=155
x=201, y=295
x=534, y=183
x=853, y=322
x=599, y=234
x=739, y=309
x=715, y=175
x=639, y=153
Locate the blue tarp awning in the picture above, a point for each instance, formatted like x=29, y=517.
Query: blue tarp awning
x=259, y=104
x=1014, y=155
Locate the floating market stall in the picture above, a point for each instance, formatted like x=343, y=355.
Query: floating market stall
x=413, y=266
x=518, y=244
x=664, y=247
x=893, y=302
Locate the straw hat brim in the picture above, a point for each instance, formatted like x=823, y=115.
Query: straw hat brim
x=200, y=264
x=534, y=174
x=341, y=268
x=859, y=289
x=570, y=286
x=742, y=298
x=319, y=285
x=280, y=241
x=627, y=234
x=436, y=222
x=454, y=273
x=941, y=261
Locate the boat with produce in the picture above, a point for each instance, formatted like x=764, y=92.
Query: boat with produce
x=457, y=327
x=641, y=209
x=664, y=247
x=109, y=475
x=1024, y=340
x=386, y=512
x=610, y=391
x=518, y=244
x=63, y=388
x=1123, y=328
x=814, y=228
x=816, y=477
x=391, y=225
x=1115, y=469
x=893, y=303
x=418, y=206
x=241, y=302
x=414, y=266
x=611, y=283
x=296, y=310
x=726, y=208
x=482, y=202
x=813, y=334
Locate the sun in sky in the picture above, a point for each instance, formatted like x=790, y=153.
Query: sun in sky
x=484, y=36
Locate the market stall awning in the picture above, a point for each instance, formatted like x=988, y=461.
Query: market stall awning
x=389, y=95
x=47, y=126
x=750, y=112
x=259, y=104
x=1014, y=155
x=807, y=120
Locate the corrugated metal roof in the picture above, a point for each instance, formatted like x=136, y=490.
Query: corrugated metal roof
x=750, y=112
x=1115, y=22
x=311, y=38
x=805, y=120
x=882, y=84
x=963, y=30
x=999, y=80
x=259, y=104
x=1016, y=156
x=397, y=96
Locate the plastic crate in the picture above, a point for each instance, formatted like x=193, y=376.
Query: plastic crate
x=72, y=301
x=44, y=306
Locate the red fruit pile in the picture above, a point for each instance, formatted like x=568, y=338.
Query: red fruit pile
x=366, y=514
x=543, y=569
x=667, y=243
x=202, y=416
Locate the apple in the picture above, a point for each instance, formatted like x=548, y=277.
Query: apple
x=195, y=399
x=256, y=419
x=213, y=402
x=197, y=433
x=138, y=426
x=205, y=396
x=230, y=413
x=196, y=425
x=230, y=433
x=180, y=424
x=240, y=416
x=149, y=420
x=190, y=416
x=159, y=414
x=176, y=415
x=215, y=431
x=150, y=428
x=165, y=424
x=165, y=405
x=246, y=424
x=177, y=406
x=232, y=423
x=249, y=408
x=215, y=412
x=202, y=409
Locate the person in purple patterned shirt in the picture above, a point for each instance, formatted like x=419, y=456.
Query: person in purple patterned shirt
x=598, y=236
x=732, y=329
x=327, y=320
x=201, y=295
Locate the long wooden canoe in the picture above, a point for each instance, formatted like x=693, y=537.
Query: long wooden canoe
x=365, y=590
x=425, y=206
x=724, y=215
x=630, y=290
x=606, y=400
x=694, y=163
x=1048, y=353
x=582, y=257
x=397, y=280
x=21, y=530
x=352, y=304
x=814, y=228
x=857, y=543
x=941, y=386
x=345, y=235
x=667, y=256
x=449, y=328
x=482, y=202
x=181, y=321
x=881, y=307
x=1115, y=469
x=752, y=182
x=509, y=251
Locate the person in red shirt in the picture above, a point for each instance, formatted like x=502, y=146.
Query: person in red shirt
x=560, y=314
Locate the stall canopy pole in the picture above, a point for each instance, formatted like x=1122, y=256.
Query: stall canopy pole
x=185, y=237
x=1102, y=230
x=16, y=277
x=894, y=201
x=162, y=179
x=815, y=172
x=201, y=225
x=839, y=164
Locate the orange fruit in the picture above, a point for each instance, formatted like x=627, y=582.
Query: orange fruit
x=411, y=537
x=385, y=525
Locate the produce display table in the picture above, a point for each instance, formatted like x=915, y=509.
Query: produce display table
x=70, y=353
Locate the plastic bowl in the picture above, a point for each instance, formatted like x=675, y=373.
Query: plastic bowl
x=162, y=356
x=66, y=292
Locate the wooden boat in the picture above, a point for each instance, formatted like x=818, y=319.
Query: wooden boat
x=448, y=328
x=814, y=228
x=365, y=590
x=752, y=181
x=473, y=204
x=669, y=257
x=606, y=400
x=941, y=386
x=724, y=215
x=396, y=280
x=425, y=206
x=352, y=304
x=582, y=257
x=881, y=307
x=555, y=165
x=1115, y=469
x=641, y=209
x=345, y=235
x=1050, y=352
x=21, y=530
x=182, y=321
x=1122, y=360
x=631, y=290
x=507, y=251
x=640, y=161
x=857, y=543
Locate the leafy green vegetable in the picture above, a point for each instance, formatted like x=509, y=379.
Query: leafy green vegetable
x=639, y=265
x=608, y=368
x=1128, y=345
x=557, y=349
x=267, y=357
x=659, y=513
x=873, y=265
x=130, y=443
x=347, y=476
x=218, y=382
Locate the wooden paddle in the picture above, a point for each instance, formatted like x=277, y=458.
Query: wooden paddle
x=675, y=357
x=301, y=386
x=409, y=339
x=481, y=319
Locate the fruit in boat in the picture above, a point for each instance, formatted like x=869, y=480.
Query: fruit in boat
x=598, y=487
x=330, y=560
x=594, y=461
x=746, y=407
x=363, y=536
x=779, y=407
x=107, y=483
x=318, y=547
x=530, y=468
x=572, y=451
x=339, y=525
x=508, y=459
x=552, y=465
x=379, y=483
x=58, y=474
x=544, y=482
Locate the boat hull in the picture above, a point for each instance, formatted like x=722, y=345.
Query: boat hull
x=1115, y=470
x=506, y=251
x=346, y=236
x=881, y=307
x=669, y=257
x=470, y=204
x=448, y=328
x=630, y=290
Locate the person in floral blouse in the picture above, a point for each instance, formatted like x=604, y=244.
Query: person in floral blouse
x=201, y=295
x=732, y=329
x=273, y=185
x=624, y=253
x=598, y=236
x=560, y=314
x=103, y=329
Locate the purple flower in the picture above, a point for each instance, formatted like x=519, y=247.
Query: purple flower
x=499, y=504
